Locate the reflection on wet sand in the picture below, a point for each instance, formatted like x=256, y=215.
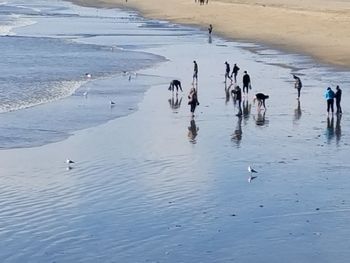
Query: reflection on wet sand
x=175, y=103
x=297, y=113
x=260, y=119
x=246, y=109
x=330, y=129
x=210, y=40
x=192, y=131
x=227, y=92
x=237, y=134
x=338, y=133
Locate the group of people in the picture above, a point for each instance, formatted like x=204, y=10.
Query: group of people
x=237, y=92
x=202, y=2
x=331, y=96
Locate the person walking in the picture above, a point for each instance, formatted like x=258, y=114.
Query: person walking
x=330, y=99
x=298, y=85
x=246, y=81
x=227, y=72
x=193, y=100
x=235, y=72
x=195, y=71
x=338, y=94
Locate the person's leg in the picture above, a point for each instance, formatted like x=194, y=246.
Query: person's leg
x=332, y=105
x=264, y=103
x=328, y=105
x=180, y=87
x=235, y=77
x=298, y=93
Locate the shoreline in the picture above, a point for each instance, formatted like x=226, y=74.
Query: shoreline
x=317, y=29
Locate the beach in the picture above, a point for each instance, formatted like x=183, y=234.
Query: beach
x=149, y=183
x=315, y=27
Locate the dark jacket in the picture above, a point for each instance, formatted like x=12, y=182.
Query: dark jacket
x=246, y=79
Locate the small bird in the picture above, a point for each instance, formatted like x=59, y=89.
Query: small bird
x=88, y=75
x=112, y=102
x=69, y=161
x=251, y=170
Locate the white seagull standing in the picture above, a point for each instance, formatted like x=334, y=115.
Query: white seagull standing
x=69, y=162
x=251, y=171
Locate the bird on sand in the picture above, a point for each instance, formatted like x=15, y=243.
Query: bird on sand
x=251, y=171
x=112, y=102
x=68, y=161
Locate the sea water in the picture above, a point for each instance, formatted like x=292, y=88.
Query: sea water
x=48, y=52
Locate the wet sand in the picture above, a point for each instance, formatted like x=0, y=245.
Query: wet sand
x=316, y=27
x=157, y=186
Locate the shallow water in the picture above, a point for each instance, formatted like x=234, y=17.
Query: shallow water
x=155, y=186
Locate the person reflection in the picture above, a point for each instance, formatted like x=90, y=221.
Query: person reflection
x=260, y=118
x=192, y=131
x=237, y=134
x=330, y=129
x=338, y=128
x=246, y=108
x=227, y=92
x=175, y=103
x=297, y=112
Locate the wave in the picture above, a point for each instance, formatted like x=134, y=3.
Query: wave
x=11, y=22
x=54, y=91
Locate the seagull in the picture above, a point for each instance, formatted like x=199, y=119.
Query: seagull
x=69, y=161
x=251, y=171
x=88, y=75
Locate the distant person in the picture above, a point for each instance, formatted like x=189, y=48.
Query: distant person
x=261, y=97
x=235, y=72
x=227, y=72
x=330, y=99
x=246, y=82
x=175, y=84
x=210, y=29
x=338, y=93
x=195, y=71
x=298, y=85
x=193, y=100
x=238, y=96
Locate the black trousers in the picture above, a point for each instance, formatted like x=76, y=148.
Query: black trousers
x=330, y=105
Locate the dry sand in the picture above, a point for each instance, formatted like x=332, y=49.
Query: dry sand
x=319, y=28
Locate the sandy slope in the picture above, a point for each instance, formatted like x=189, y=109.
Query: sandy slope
x=320, y=28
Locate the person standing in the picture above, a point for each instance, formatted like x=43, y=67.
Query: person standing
x=193, y=100
x=238, y=96
x=338, y=94
x=298, y=85
x=195, y=71
x=235, y=72
x=246, y=81
x=330, y=99
x=210, y=29
x=227, y=72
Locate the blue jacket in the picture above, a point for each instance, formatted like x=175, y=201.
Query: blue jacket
x=329, y=94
